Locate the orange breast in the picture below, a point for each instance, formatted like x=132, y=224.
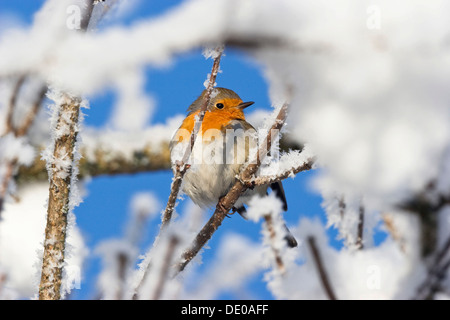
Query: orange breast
x=216, y=119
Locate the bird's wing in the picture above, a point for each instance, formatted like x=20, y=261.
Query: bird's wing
x=277, y=187
x=239, y=124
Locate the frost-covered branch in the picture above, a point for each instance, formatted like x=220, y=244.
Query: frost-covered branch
x=103, y=158
x=4, y=183
x=119, y=255
x=29, y=118
x=183, y=166
x=267, y=180
x=12, y=104
x=437, y=272
x=272, y=236
x=104, y=161
x=426, y=205
x=61, y=166
x=274, y=230
x=164, y=272
x=393, y=231
x=321, y=269
x=10, y=164
x=62, y=170
x=359, y=237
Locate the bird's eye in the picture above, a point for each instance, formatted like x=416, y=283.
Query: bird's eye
x=219, y=106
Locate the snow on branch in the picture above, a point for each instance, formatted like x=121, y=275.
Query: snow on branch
x=290, y=164
x=62, y=158
x=61, y=163
x=273, y=229
x=106, y=152
x=13, y=156
x=437, y=272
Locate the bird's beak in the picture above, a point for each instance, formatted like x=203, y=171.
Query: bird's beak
x=244, y=105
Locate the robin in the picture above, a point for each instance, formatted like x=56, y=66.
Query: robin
x=223, y=146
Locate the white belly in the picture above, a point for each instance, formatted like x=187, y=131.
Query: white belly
x=213, y=170
x=205, y=184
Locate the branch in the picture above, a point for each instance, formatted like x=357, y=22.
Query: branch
x=355, y=239
x=391, y=228
x=10, y=165
x=173, y=242
x=436, y=274
x=267, y=180
x=426, y=204
x=24, y=128
x=182, y=166
x=148, y=158
x=12, y=104
x=59, y=200
x=3, y=278
x=59, y=190
x=18, y=132
x=122, y=263
x=106, y=162
x=272, y=235
x=264, y=41
x=86, y=18
x=226, y=203
x=359, y=236
x=321, y=269
x=342, y=206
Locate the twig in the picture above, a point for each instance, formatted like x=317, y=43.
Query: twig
x=3, y=278
x=439, y=275
x=12, y=104
x=24, y=128
x=359, y=236
x=122, y=262
x=267, y=180
x=10, y=165
x=320, y=267
x=86, y=18
x=342, y=207
x=436, y=274
x=390, y=226
x=226, y=203
x=445, y=249
x=19, y=132
x=59, y=190
x=137, y=289
x=270, y=228
x=166, y=266
x=426, y=204
x=182, y=166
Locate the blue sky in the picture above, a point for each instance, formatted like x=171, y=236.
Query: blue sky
x=103, y=213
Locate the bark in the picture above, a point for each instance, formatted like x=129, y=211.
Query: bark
x=58, y=206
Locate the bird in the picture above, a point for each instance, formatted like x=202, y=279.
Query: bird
x=222, y=148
